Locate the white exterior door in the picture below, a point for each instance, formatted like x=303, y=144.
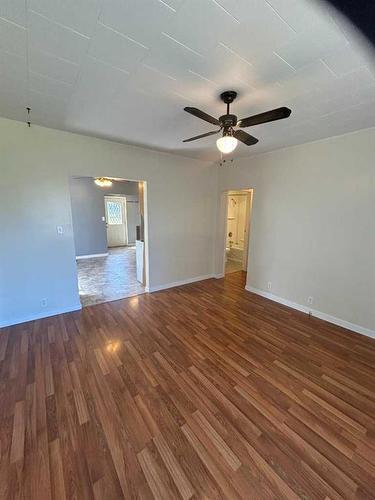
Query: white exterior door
x=115, y=216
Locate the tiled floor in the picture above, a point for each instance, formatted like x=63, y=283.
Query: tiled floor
x=102, y=279
x=232, y=266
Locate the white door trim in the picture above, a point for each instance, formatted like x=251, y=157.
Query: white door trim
x=249, y=204
x=249, y=192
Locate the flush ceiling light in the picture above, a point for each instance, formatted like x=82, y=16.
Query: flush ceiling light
x=226, y=144
x=103, y=182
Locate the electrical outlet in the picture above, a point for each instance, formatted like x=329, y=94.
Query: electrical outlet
x=43, y=302
x=269, y=285
x=310, y=300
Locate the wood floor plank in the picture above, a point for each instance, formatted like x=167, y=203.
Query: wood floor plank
x=228, y=455
x=178, y=476
x=57, y=474
x=209, y=462
x=152, y=474
x=18, y=438
x=204, y=391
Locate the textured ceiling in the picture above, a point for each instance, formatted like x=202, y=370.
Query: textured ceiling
x=125, y=69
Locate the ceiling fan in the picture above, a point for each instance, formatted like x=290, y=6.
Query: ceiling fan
x=228, y=142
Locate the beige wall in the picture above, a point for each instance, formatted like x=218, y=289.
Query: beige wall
x=37, y=263
x=313, y=224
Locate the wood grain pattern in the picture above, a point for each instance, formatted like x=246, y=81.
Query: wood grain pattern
x=178, y=476
x=204, y=391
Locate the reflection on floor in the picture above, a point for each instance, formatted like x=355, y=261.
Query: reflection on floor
x=232, y=266
x=102, y=279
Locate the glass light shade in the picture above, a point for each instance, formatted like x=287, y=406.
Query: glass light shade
x=103, y=182
x=226, y=144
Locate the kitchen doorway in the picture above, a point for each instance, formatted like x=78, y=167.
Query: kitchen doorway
x=109, y=227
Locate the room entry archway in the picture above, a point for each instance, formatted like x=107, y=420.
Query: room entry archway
x=111, y=238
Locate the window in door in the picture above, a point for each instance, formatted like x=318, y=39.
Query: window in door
x=116, y=219
x=114, y=213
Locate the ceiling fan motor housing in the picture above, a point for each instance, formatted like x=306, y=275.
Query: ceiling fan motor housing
x=228, y=121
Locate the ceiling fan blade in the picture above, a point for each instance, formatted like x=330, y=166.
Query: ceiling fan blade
x=246, y=138
x=268, y=116
x=202, y=135
x=202, y=115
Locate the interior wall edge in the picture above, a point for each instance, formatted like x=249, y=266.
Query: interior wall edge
x=180, y=283
x=45, y=314
x=129, y=145
x=91, y=256
x=315, y=313
x=258, y=156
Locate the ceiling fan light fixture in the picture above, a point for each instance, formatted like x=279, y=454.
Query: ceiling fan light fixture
x=229, y=122
x=226, y=144
x=103, y=182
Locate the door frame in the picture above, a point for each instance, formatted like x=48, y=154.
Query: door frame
x=224, y=223
x=246, y=246
x=144, y=187
x=121, y=197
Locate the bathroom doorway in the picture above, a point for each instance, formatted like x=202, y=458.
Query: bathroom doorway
x=238, y=213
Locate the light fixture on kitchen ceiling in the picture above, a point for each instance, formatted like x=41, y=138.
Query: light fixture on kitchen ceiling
x=103, y=182
x=227, y=123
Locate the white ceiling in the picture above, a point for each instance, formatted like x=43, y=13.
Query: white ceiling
x=125, y=69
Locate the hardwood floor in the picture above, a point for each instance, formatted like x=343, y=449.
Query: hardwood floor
x=203, y=391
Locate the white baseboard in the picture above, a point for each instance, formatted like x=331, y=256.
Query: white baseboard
x=91, y=256
x=40, y=315
x=317, y=314
x=180, y=283
x=218, y=275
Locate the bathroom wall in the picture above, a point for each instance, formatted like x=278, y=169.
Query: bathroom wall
x=236, y=221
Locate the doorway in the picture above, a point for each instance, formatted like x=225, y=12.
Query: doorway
x=237, y=229
x=110, y=235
